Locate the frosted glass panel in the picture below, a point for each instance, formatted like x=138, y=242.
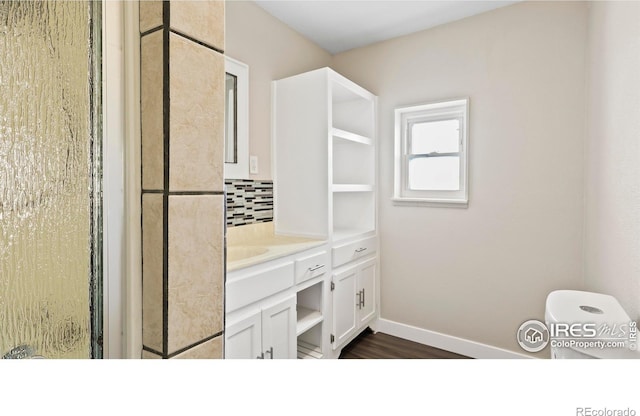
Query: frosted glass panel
x=45, y=177
x=435, y=174
x=435, y=136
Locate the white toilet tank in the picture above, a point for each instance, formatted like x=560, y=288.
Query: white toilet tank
x=589, y=325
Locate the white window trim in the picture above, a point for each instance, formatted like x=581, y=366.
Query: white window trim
x=402, y=196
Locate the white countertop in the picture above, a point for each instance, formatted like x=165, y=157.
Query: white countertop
x=248, y=245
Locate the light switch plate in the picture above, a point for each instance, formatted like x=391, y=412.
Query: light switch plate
x=253, y=164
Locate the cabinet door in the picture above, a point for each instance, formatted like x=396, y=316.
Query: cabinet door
x=279, y=330
x=243, y=339
x=367, y=284
x=344, y=305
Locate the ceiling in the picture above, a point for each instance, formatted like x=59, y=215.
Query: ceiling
x=338, y=26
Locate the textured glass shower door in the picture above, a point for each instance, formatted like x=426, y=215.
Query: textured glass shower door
x=50, y=225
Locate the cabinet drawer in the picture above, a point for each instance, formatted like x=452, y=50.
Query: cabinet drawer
x=253, y=287
x=311, y=266
x=351, y=251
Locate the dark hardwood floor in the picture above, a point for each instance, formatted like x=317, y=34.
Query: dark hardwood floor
x=383, y=346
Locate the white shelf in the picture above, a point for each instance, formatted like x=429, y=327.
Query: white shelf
x=352, y=188
x=352, y=137
x=308, y=351
x=307, y=319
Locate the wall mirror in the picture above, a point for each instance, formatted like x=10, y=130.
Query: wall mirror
x=231, y=119
x=236, y=122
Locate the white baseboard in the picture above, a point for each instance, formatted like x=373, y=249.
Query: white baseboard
x=446, y=342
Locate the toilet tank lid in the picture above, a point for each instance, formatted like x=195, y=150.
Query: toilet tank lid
x=575, y=306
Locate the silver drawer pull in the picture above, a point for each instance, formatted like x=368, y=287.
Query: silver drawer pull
x=270, y=352
x=316, y=267
x=359, y=296
x=361, y=249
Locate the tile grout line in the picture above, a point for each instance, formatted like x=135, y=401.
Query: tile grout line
x=165, y=195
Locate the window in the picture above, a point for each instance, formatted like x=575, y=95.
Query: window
x=431, y=153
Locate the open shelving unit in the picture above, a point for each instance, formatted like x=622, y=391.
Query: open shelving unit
x=325, y=185
x=325, y=156
x=352, y=160
x=309, y=321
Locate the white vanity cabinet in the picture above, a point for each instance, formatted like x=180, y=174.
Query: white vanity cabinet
x=354, y=290
x=243, y=338
x=275, y=306
x=268, y=334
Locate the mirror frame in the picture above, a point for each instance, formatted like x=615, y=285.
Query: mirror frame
x=239, y=170
x=231, y=118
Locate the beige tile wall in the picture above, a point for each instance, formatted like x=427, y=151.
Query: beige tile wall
x=150, y=15
x=151, y=111
x=209, y=349
x=195, y=269
x=182, y=116
x=152, y=270
x=196, y=128
x=193, y=19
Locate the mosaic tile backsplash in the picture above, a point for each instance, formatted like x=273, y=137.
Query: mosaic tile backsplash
x=248, y=201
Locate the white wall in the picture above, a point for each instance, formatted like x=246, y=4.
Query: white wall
x=478, y=273
x=612, y=187
x=273, y=51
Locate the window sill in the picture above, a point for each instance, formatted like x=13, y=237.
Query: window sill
x=425, y=202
